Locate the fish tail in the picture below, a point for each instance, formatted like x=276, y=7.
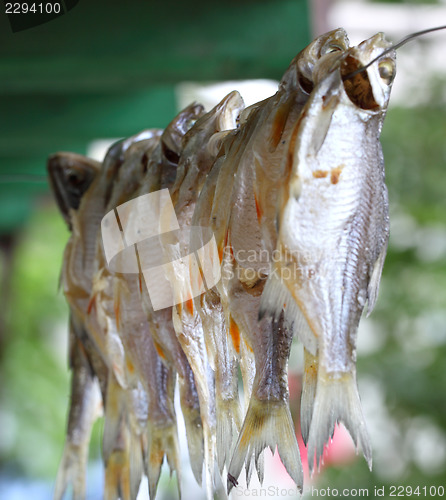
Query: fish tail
x=117, y=476
x=209, y=462
x=219, y=487
x=337, y=400
x=309, y=384
x=116, y=443
x=117, y=465
x=136, y=463
x=259, y=464
x=194, y=428
x=267, y=424
x=73, y=466
x=114, y=415
x=162, y=441
x=228, y=428
x=72, y=470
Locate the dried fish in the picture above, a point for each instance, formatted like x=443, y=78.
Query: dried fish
x=70, y=176
x=251, y=174
x=333, y=234
x=292, y=192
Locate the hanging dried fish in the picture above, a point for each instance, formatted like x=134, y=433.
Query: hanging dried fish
x=292, y=190
x=70, y=176
x=333, y=235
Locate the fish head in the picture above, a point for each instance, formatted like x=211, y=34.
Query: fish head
x=370, y=88
x=337, y=183
x=70, y=176
x=134, y=167
x=355, y=83
x=211, y=129
x=172, y=141
x=172, y=137
x=162, y=163
x=328, y=47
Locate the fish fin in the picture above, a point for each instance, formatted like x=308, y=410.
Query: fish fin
x=136, y=464
x=267, y=423
x=322, y=121
x=274, y=296
x=219, y=487
x=72, y=470
x=300, y=326
x=194, y=430
x=372, y=290
x=209, y=459
x=258, y=463
x=277, y=298
x=247, y=370
x=117, y=465
x=228, y=428
x=337, y=400
x=248, y=467
x=114, y=414
x=117, y=476
x=260, y=466
x=162, y=441
x=309, y=384
x=82, y=415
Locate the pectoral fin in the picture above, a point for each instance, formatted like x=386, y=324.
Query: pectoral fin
x=372, y=291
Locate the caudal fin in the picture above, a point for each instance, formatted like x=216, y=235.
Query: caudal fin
x=72, y=470
x=309, y=384
x=162, y=441
x=267, y=424
x=136, y=463
x=228, y=428
x=117, y=476
x=115, y=410
x=337, y=400
x=194, y=428
x=73, y=466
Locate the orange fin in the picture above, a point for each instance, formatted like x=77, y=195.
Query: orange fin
x=91, y=303
x=258, y=209
x=234, y=331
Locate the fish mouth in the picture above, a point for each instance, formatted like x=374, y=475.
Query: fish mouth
x=368, y=87
x=358, y=87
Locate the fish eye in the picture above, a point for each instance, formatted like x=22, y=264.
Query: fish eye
x=74, y=176
x=330, y=48
x=387, y=71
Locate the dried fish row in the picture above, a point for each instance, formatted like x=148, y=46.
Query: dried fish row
x=299, y=176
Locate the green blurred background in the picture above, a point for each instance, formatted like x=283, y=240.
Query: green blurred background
x=109, y=69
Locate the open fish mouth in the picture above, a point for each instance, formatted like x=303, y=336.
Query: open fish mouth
x=368, y=87
x=358, y=87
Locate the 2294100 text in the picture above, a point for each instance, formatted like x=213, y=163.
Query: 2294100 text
x=34, y=8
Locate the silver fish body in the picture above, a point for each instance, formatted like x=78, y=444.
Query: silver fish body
x=334, y=231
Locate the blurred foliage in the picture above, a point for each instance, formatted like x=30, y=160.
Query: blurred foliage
x=35, y=389
x=408, y=365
